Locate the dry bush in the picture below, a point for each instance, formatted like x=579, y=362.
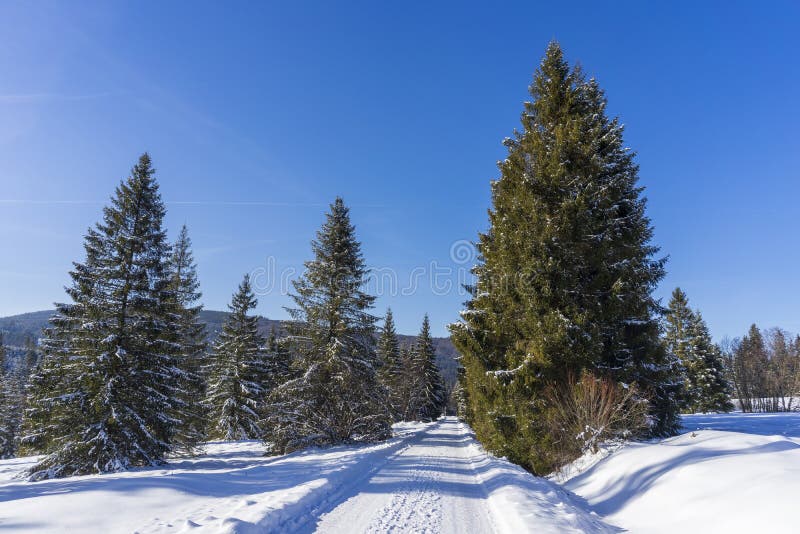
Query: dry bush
x=587, y=412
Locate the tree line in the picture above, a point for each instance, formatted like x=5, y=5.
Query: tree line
x=764, y=369
x=759, y=372
x=126, y=377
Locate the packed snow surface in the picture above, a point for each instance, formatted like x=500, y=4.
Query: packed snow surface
x=727, y=473
x=428, y=478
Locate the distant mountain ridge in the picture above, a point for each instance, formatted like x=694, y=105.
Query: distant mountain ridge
x=17, y=328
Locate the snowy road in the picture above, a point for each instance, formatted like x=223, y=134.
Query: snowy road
x=430, y=477
x=431, y=486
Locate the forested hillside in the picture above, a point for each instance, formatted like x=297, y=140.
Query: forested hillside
x=17, y=329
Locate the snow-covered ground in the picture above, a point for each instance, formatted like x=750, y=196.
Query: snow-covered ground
x=429, y=478
x=727, y=473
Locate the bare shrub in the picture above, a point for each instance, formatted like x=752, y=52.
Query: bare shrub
x=587, y=412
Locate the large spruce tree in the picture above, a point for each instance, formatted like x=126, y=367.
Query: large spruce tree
x=103, y=399
x=239, y=372
x=336, y=396
x=566, y=272
x=191, y=337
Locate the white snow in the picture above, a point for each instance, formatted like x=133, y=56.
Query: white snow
x=429, y=478
x=728, y=473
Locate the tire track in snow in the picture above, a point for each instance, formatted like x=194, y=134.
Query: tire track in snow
x=431, y=487
x=417, y=507
x=291, y=509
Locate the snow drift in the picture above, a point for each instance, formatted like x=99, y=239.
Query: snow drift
x=727, y=473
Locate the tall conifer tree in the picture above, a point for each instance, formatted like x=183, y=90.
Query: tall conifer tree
x=337, y=397
x=238, y=384
x=707, y=374
x=705, y=387
x=191, y=338
x=389, y=361
x=103, y=398
x=10, y=405
x=565, y=274
x=405, y=398
x=429, y=394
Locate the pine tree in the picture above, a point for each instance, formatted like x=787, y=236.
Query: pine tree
x=238, y=383
x=389, y=362
x=191, y=338
x=679, y=321
x=707, y=375
x=429, y=392
x=336, y=397
x=565, y=272
x=102, y=399
x=10, y=405
x=11, y=401
x=705, y=387
x=405, y=399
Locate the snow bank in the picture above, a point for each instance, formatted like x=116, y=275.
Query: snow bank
x=728, y=473
x=232, y=488
x=521, y=502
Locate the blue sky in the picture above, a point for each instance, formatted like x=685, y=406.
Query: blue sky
x=258, y=114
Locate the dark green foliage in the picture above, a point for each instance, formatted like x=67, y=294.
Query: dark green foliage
x=429, y=395
x=405, y=386
x=389, y=364
x=335, y=396
x=191, y=417
x=279, y=361
x=705, y=388
x=565, y=275
x=11, y=404
x=410, y=375
x=103, y=397
x=240, y=372
x=712, y=391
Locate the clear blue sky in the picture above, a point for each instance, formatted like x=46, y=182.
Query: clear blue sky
x=258, y=114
